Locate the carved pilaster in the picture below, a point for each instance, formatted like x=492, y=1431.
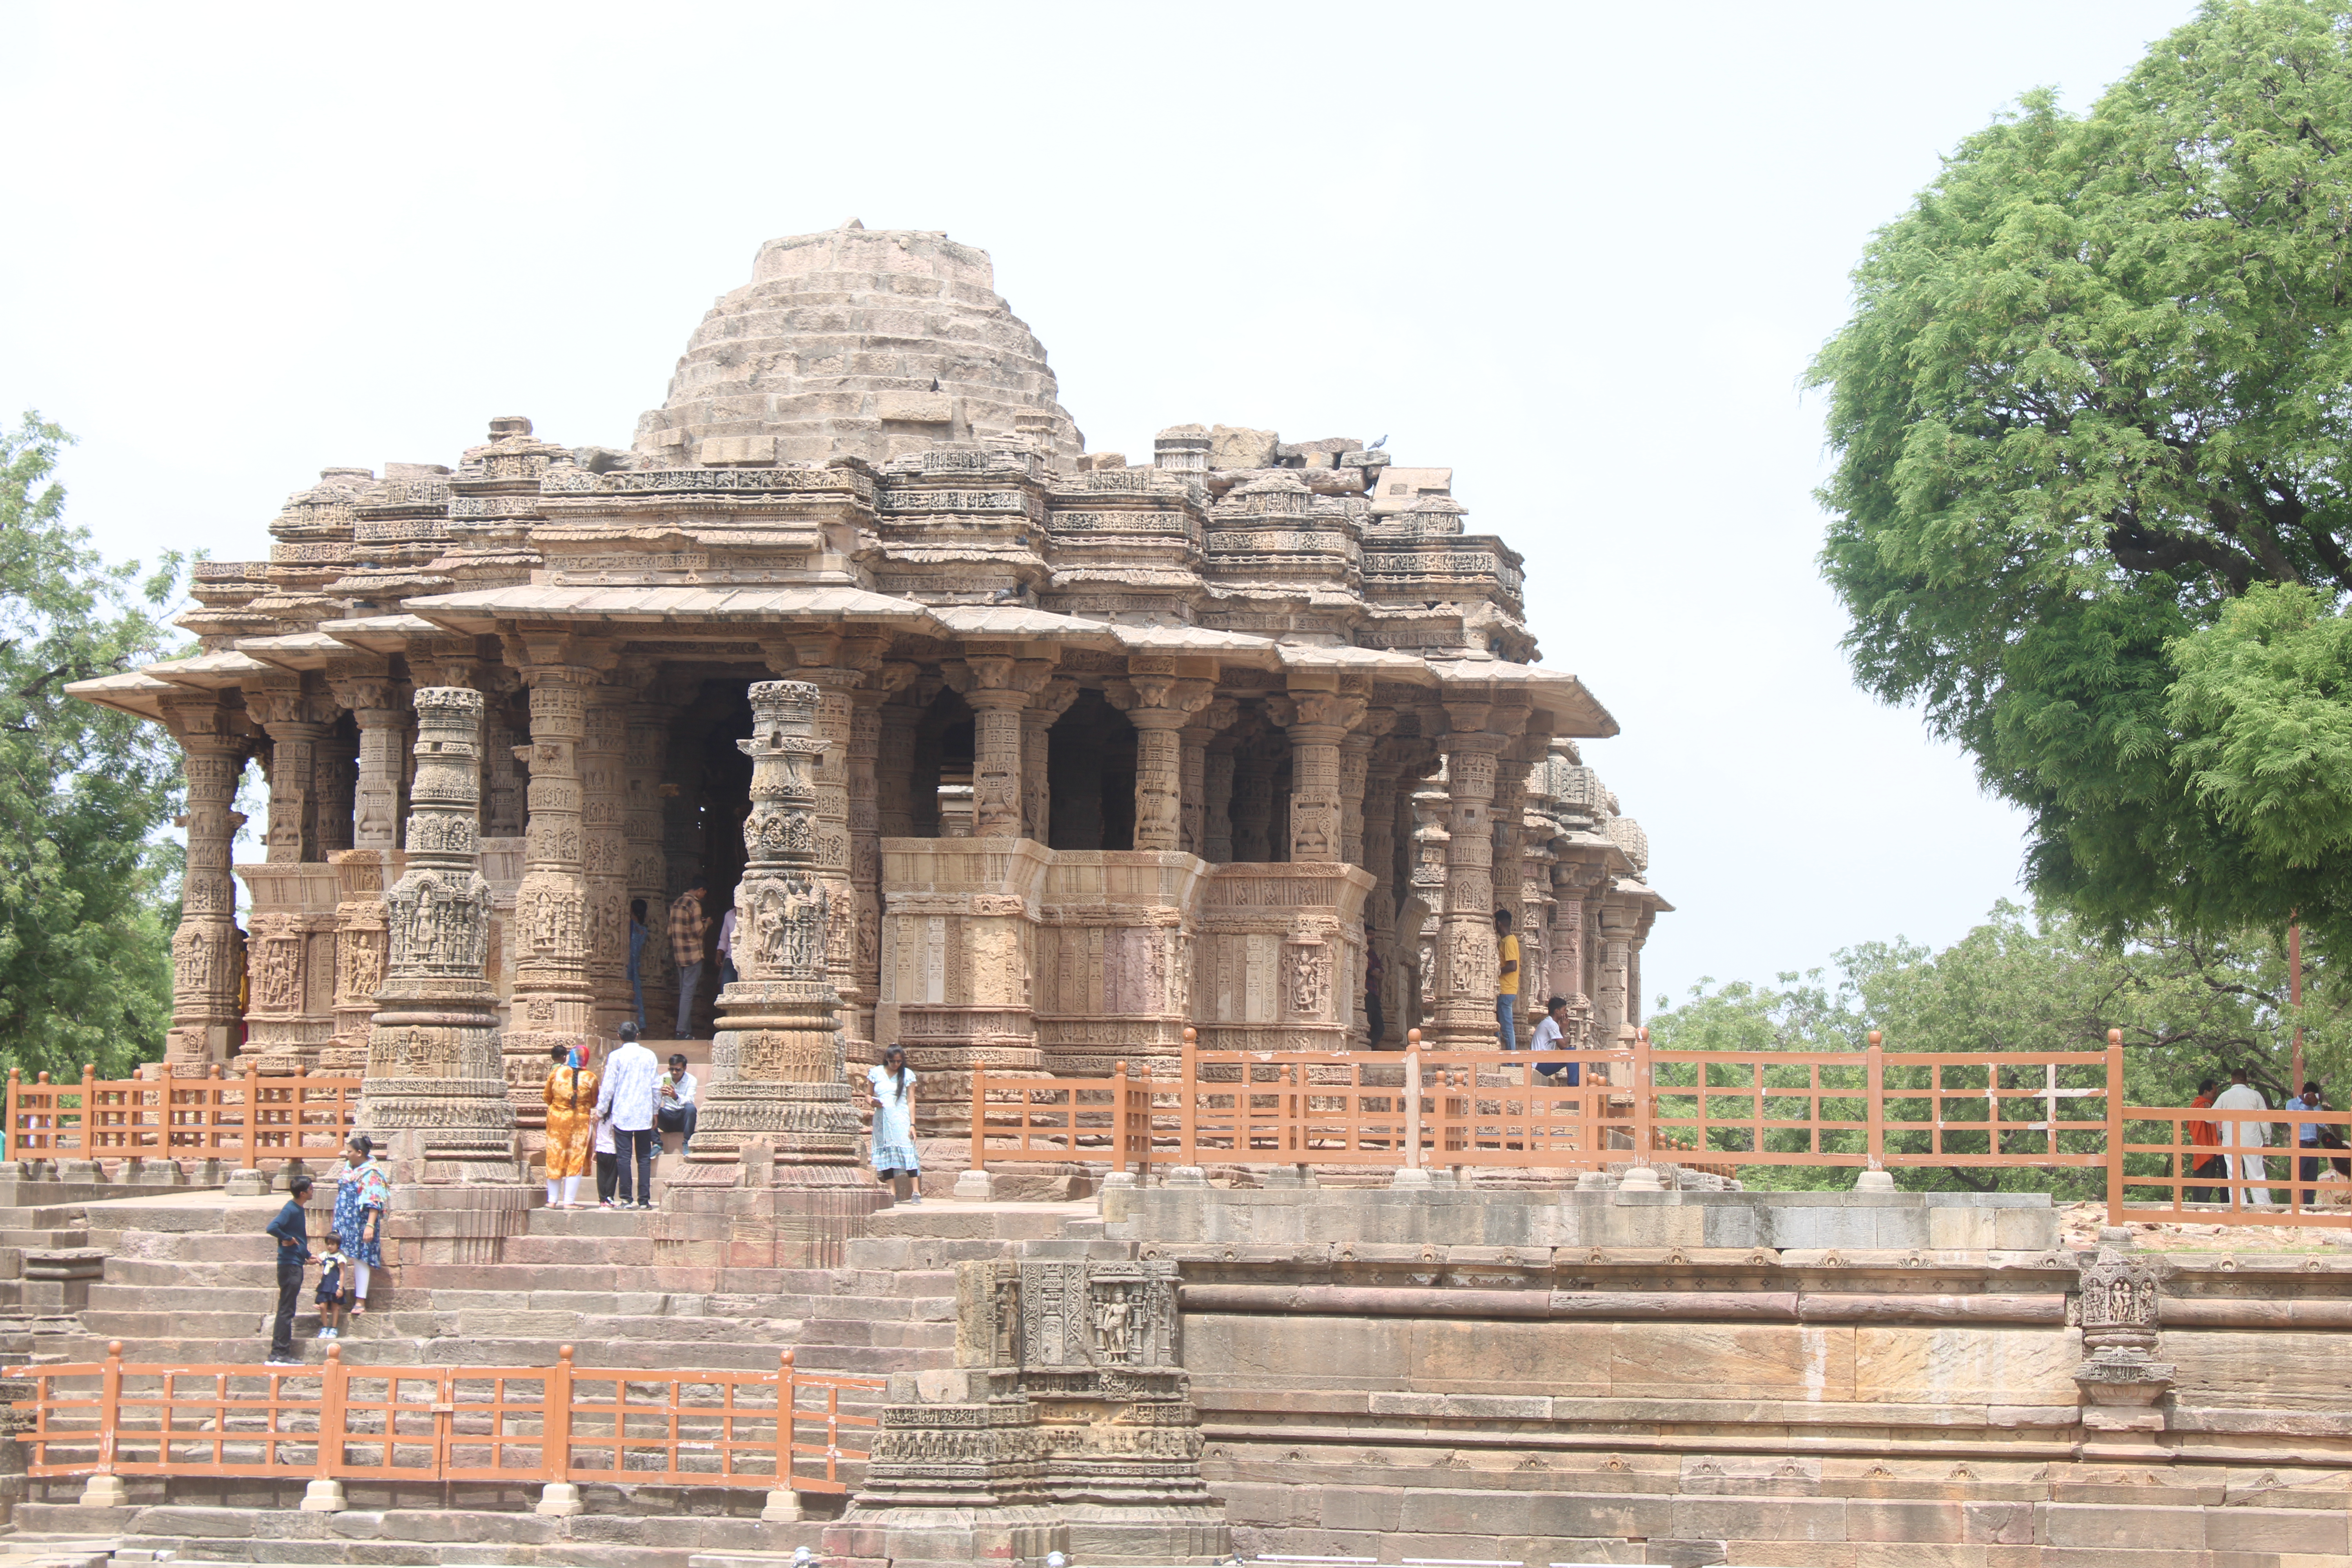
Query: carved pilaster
x=377, y=707
x=334, y=780
x=836, y=666
x=435, y=1082
x=895, y=766
x=787, y=1094
x=1611, y=1022
x=205, y=949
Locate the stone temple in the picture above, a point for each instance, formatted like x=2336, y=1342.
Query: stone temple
x=1032, y=759
x=1110, y=748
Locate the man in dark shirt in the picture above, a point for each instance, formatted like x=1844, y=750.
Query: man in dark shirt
x=292, y=1230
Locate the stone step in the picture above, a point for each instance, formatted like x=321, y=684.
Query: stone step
x=879, y=1333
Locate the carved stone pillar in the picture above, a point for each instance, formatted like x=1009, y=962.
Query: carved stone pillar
x=1569, y=881
x=1379, y=816
x=377, y=707
x=1194, y=776
x=1158, y=705
x=998, y=687
x=1466, y=937
x=787, y=1097
x=645, y=737
x=1319, y=720
x=434, y=1083
x=552, y=998
x=836, y=666
x=1612, y=1025
x=205, y=947
x=1217, y=805
x=603, y=784
x=295, y=727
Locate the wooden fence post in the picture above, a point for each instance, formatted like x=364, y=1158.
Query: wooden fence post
x=783, y=1503
x=980, y=1118
x=1188, y=1097
x=104, y=1488
x=252, y=1112
x=561, y=1495
x=15, y=1081
x=1412, y=1099
x=325, y=1492
x=1118, y=1118
x=89, y=1100
x=2115, y=1126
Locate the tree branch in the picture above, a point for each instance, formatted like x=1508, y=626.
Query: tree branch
x=2138, y=548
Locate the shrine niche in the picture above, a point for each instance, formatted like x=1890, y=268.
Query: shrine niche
x=1095, y=751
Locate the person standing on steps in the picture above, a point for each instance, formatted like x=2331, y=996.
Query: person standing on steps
x=292, y=1230
x=1506, y=981
x=332, y=1266
x=689, y=928
x=629, y=1095
x=571, y=1094
x=727, y=975
x=363, y=1193
x=2240, y=1136
x=892, y=1085
x=639, y=935
x=2204, y=1137
x=607, y=1161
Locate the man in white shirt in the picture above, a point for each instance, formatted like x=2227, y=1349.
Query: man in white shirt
x=679, y=1110
x=2238, y=1135
x=629, y=1096
x=727, y=972
x=1550, y=1037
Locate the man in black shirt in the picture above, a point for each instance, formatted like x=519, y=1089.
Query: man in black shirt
x=292, y=1229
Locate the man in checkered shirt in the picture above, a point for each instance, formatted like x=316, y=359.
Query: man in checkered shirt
x=688, y=928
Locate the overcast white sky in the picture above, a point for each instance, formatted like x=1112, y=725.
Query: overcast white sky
x=1578, y=252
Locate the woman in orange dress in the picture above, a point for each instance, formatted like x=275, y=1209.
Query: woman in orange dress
x=570, y=1124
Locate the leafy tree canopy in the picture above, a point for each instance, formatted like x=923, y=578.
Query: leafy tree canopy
x=2190, y=1007
x=87, y=892
x=2093, y=495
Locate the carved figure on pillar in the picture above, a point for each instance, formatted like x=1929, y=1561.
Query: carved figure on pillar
x=434, y=1083
x=788, y=1095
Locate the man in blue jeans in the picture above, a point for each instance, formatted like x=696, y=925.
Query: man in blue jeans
x=292, y=1230
x=2306, y=1139
x=628, y=1095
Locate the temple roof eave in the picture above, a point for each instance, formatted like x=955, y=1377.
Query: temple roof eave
x=135, y=693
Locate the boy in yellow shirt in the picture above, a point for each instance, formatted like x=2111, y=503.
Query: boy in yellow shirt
x=1506, y=981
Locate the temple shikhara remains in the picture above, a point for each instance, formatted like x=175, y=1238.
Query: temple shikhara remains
x=1108, y=748
x=1153, y=806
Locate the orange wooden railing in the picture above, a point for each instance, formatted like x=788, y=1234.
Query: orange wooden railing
x=618, y=1426
x=253, y=1119
x=1870, y=1109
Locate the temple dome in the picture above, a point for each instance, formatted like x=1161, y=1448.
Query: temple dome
x=868, y=343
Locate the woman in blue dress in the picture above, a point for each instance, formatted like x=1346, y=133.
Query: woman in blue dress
x=363, y=1193
x=893, y=1087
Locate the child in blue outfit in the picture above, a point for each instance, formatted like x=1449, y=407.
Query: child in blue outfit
x=330, y=1291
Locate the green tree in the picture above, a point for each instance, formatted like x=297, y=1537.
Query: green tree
x=2092, y=501
x=88, y=890
x=2190, y=1007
